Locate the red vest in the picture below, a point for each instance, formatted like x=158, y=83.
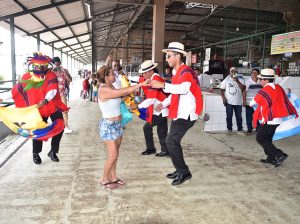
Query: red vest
x=86, y=84
x=153, y=93
x=186, y=74
x=272, y=103
x=25, y=98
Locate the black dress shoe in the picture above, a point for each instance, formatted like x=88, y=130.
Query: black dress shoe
x=279, y=160
x=172, y=175
x=53, y=156
x=268, y=160
x=148, y=152
x=181, y=178
x=36, y=158
x=161, y=154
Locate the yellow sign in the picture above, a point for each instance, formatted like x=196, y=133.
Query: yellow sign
x=286, y=42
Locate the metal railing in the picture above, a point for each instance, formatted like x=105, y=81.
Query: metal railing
x=6, y=89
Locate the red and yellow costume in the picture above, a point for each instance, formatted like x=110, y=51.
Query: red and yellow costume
x=30, y=91
x=25, y=98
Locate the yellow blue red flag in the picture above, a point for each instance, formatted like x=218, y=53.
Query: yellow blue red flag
x=28, y=123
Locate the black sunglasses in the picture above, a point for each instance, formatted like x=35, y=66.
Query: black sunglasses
x=170, y=55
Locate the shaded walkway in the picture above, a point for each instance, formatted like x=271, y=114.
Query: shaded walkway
x=228, y=184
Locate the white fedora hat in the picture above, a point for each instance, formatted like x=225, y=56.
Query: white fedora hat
x=175, y=46
x=232, y=69
x=147, y=66
x=267, y=73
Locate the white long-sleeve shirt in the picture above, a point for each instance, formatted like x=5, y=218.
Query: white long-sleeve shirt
x=49, y=96
x=148, y=102
x=187, y=101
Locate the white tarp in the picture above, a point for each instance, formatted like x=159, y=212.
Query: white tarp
x=290, y=125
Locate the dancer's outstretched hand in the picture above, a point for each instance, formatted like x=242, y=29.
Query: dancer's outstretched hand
x=145, y=82
x=132, y=107
x=42, y=103
x=156, y=84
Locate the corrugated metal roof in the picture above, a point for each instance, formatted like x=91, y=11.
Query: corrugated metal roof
x=48, y=36
x=111, y=21
x=31, y=24
x=84, y=38
x=71, y=41
x=66, y=23
x=66, y=49
x=33, y=4
x=46, y=15
x=75, y=14
x=59, y=44
x=50, y=17
x=9, y=7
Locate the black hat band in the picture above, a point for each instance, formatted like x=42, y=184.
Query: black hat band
x=143, y=69
x=267, y=76
x=174, y=48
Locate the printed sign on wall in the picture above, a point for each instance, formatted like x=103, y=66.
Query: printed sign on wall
x=286, y=42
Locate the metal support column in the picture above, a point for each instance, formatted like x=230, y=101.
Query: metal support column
x=74, y=66
x=13, y=50
x=158, y=33
x=38, y=42
x=124, y=50
x=60, y=54
x=248, y=48
x=143, y=54
x=67, y=60
x=256, y=19
x=71, y=68
x=94, y=56
x=225, y=41
x=52, y=46
x=263, y=63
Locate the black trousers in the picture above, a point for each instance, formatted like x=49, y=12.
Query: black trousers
x=177, y=130
x=38, y=145
x=238, y=115
x=249, y=117
x=162, y=131
x=264, y=138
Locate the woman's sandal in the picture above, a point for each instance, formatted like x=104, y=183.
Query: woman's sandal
x=109, y=185
x=119, y=182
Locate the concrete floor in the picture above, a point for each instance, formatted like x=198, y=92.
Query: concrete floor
x=229, y=185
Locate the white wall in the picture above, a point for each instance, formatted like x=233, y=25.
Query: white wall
x=290, y=82
x=213, y=105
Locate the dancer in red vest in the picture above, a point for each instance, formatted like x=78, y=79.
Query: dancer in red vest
x=40, y=86
x=185, y=105
x=154, y=118
x=273, y=105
